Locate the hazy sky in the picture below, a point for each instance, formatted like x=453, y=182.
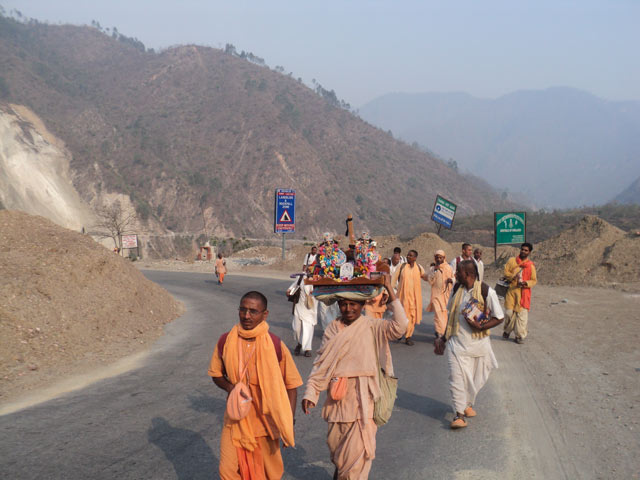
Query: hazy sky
x=364, y=49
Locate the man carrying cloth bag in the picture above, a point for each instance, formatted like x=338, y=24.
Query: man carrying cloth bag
x=256, y=369
x=354, y=347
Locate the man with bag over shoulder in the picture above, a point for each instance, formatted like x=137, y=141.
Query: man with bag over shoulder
x=354, y=348
x=473, y=308
x=257, y=371
x=520, y=272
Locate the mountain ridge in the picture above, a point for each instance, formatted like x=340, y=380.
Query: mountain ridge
x=199, y=139
x=573, y=147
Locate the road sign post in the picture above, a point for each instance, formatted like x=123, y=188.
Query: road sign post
x=284, y=218
x=443, y=212
x=509, y=228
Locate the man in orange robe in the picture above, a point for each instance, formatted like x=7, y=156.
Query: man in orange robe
x=348, y=354
x=521, y=274
x=221, y=269
x=406, y=280
x=250, y=447
x=440, y=278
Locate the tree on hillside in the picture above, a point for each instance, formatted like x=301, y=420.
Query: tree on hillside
x=115, y=221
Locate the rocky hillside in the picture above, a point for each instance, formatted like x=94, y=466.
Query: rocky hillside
x=198, y=139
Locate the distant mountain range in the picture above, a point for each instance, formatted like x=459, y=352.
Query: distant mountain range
x=631, y=194
x=197, y=139
x=561, y=147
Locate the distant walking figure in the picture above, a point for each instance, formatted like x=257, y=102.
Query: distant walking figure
x=221, y=269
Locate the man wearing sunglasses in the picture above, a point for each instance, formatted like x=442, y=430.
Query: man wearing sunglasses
x=250, y=354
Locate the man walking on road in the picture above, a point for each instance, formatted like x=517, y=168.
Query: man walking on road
x=440, y=277
x=474, y=308
x=520, y=272
x=305, y=317
x=220, y=269
x=466, y=254
x=256, y=369
x=397, y=260
x=353, y=348
x=310, y=260
x=406, y=281
x=477, y=256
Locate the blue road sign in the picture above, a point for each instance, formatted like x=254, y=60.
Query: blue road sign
x=443, y=212
x=285, y=211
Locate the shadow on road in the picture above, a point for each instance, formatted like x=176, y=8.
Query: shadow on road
x=187, y=451
x=426, y=406
x=296, y=466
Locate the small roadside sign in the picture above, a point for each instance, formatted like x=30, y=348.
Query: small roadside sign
x=129, y=241
x=285, y=211
x=510, y=227
x=443, y=212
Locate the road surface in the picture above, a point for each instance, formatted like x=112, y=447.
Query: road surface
x=163, y=419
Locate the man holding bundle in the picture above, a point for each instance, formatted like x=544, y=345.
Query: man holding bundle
x=521, y=273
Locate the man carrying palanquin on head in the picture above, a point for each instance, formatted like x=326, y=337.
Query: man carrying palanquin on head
x=440, y=277
x=254, y=367
x=520, y=272
x=407, y=283
x=347, y=365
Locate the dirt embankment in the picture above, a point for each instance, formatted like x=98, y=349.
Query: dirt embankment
x=591, y=252
x=68, y=304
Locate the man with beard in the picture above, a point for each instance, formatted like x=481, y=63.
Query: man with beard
x=520, y=272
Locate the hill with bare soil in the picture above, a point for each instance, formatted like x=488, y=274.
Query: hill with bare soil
x=68, y=303
x=198, y=139
x=592, y=252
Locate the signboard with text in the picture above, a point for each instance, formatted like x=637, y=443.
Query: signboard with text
x=510, y=227
x=443, y=212
x=285, y=211
x=129, y=241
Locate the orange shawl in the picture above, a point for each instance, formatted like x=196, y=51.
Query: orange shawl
x=525, y=298
x=275, y=401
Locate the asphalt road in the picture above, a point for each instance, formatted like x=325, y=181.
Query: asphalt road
x=163, y=420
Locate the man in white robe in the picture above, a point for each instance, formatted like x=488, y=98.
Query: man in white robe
x=305, y=317
x=470, y=356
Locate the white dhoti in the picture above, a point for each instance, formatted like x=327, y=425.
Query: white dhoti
x=327, y=314
x=470, y=359
x=305, y=317
x=467, y=375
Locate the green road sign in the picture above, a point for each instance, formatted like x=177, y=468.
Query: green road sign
x=510, y=227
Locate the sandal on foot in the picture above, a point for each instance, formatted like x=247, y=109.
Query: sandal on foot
x=458, y=422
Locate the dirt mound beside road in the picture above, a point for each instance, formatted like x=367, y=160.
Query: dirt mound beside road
x=592, y=252
x=68, y=304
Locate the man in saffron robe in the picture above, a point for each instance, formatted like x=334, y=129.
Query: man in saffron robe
x=440, y=277
x=250, y=447
x=221, y=269
x=348, y=357
x=406, y=281
x=470, y=356
x=520, y=272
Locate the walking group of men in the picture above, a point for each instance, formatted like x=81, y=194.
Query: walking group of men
x=261, y=378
